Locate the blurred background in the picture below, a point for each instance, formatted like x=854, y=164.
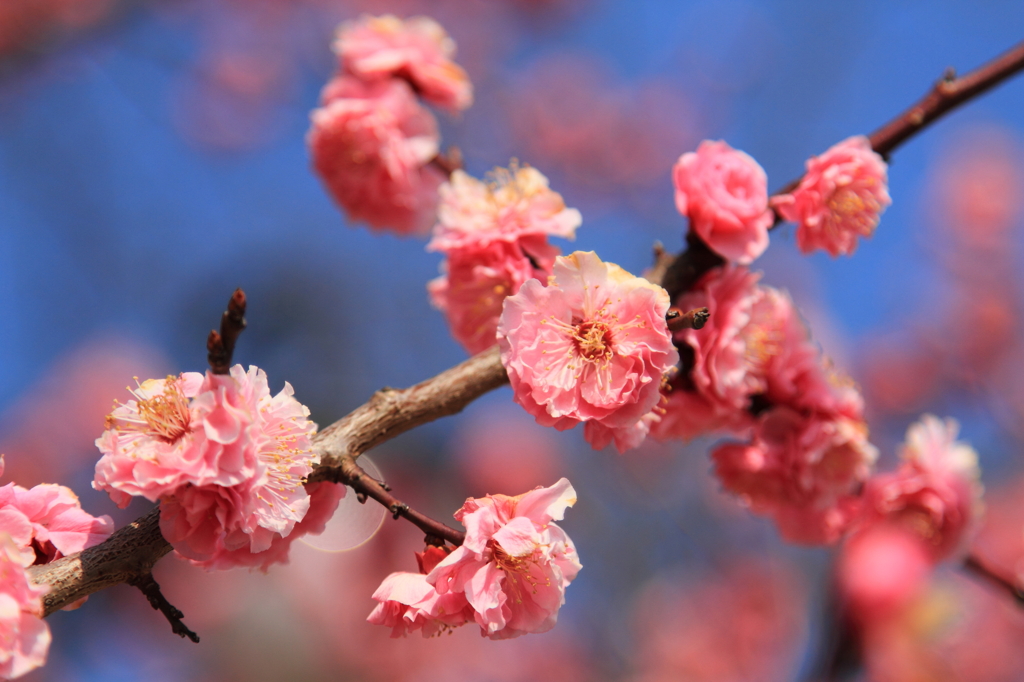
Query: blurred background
x=152, y=159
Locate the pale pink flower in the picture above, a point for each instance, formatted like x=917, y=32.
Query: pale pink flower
x=802, y=470
x=477, y=281
x=724, y=193
x=516, y=203
x=593, y=345
x=24, y=636
x=409, y=603
x=220, y=445
x=935, y=494
x=515, y=563
x=372, y=145
x=416, y=49
x=48, y=522
x=207, y=527
x=839, y=199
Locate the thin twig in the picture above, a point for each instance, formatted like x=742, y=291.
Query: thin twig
x=352, y=475
x=975, y=566
x=945, y=96
x=221, y=346
x=149, y=587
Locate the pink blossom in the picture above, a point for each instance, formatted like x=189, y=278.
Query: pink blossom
x=935, y=494
x=840, y=197
x=48, y=522
x=800, y=469
x=217, y=449
x=409, y=603
x=881, y=571
x=724, y=193
x=372, y=145
x=477, y=281
x=591, y=346
x=516, y=203
x=24, y=636
x=208, y=527
x=625, y=437
x=515, y=563
x=416, y=49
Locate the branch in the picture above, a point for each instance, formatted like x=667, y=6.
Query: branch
x=127, y=555
x=946, y=95
x=391, y=412
x=352, y=475
x=220, y=347
x=130, y=553
x=149, y=587
x=974, y=565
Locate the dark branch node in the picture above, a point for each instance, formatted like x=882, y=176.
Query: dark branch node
x=432, y=540
x=221, y=346
x=691, y=319
x=149, y=587
x=398, y=509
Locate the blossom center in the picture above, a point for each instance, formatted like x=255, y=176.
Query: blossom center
x=593, y=340
x=846, y=202
x=164, y=416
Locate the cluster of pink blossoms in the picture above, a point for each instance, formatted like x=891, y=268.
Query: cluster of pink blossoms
x=724, y=193
x=755, y=373
x=495, y=238
x=509, y=576
x=227, y=462
x=592, y=346
x=371, y=140
x=37, y=526
x=908, y=520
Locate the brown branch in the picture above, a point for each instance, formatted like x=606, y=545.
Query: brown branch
x=945, y=96
x=128, y=554
x=352, y=475
x=689, y=266
x=221, y=346
x=149, y=587
x=391, y=412
x=949, y=93
x=131, y=552
x=975, y=566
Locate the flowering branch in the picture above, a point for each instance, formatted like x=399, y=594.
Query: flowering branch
x=946, y=95
x=131, y=552
x=129, y=555
x=220, y=347
x=352, y=475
